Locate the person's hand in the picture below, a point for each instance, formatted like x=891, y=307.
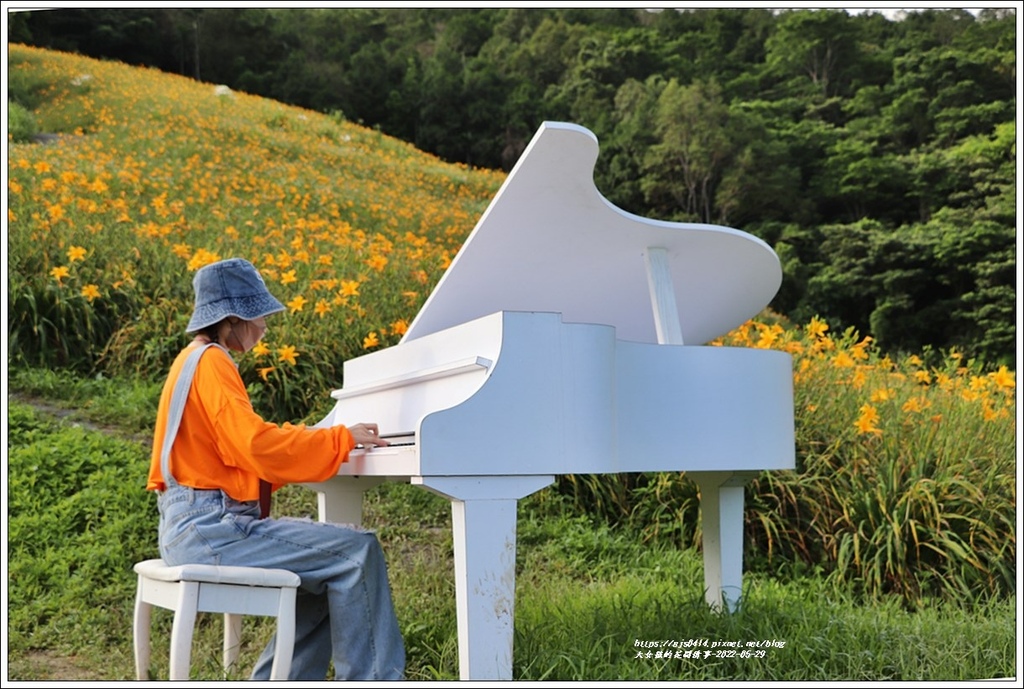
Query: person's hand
x=367, y=435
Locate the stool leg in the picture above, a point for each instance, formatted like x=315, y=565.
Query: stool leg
x=140, y=631
x=181, y=629
x=285, y=645
x=232, y=639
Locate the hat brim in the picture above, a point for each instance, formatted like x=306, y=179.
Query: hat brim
x=247, y=308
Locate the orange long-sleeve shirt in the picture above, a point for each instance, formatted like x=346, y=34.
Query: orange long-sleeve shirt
x=222, y=443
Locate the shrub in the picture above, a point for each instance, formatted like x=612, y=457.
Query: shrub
x=21, y=123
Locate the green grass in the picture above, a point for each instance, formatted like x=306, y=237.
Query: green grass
x=592, y=600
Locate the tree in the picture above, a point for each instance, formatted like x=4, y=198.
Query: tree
x=618, y=173
x=761, y=182
x=531, y=52
x=681, y=171
x=818, y=44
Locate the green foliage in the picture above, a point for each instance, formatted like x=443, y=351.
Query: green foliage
x=684, y=169
x=148, y=343
x=77, y=514
x=27, y=84
x=21, y=124
x=920, y=506
x=51, y=328
x=949, y=279
x=814, y=50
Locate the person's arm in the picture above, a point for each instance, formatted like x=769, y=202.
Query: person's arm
x=280, y=454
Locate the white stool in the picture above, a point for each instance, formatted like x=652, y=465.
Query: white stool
x=234, y=591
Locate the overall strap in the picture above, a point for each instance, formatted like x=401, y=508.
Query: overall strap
x=177, y=408
x=178, y=398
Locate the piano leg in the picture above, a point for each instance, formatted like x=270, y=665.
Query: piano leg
x=340, y=499
x=721, y=509
x=484, y=533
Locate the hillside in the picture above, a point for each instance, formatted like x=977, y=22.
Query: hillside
x=154, y=175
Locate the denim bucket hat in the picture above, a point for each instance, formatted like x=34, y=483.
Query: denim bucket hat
x=232, y=287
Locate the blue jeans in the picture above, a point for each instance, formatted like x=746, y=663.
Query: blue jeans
x=344, y=610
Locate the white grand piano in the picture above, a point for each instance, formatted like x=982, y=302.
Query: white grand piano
x=565, y=338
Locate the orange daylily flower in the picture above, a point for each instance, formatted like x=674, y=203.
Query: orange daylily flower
x=288, y=354
x=59, y=273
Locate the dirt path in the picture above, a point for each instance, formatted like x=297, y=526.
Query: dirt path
x=47, y=665
x=44, y=406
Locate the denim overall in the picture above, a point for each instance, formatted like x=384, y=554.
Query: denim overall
x=343, y=610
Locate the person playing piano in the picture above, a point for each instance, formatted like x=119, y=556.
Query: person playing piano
x=209, y=484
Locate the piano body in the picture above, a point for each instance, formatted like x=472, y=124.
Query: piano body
x=567, y=337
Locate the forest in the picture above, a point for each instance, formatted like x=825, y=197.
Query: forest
x=876, y=155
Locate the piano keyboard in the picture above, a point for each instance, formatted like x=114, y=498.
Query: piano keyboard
x=399, y=439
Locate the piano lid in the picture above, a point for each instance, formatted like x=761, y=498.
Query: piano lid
x=549, y=241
